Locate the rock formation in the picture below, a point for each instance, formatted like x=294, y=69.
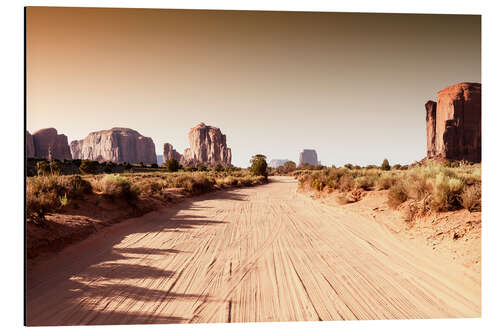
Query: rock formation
x=308, y=156
x=50, y=145
x=30, y=145
x=169, y=152
x=455, y=131
x=207, y=147
x=116, y=145
x=274, y=163
x=430, y=108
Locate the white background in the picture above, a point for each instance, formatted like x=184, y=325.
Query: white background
x=12, y=177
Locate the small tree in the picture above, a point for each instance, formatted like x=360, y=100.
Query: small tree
x=172, y=165
x=290, y=166
x=258, y=165
x=218, y=168
x=201, y=167
x=385, y=165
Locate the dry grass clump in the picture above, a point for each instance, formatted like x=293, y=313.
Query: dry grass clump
x=115, y=186
x=385, y=181
x=350, y=197
x=470, y=198
x=398, y=193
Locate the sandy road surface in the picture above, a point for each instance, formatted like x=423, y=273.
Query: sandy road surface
x=263, y=253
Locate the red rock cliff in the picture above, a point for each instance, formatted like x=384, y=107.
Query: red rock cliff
x=50, y=145
x=457, y=124
x=115, y=145
x=169, y=152
x=207, y=147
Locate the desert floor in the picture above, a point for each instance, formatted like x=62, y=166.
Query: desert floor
x=264, y=253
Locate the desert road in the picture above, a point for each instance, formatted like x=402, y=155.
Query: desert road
x=264, y=253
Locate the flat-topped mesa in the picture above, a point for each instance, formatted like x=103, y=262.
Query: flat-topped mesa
x=207, y=147
x=308, y=156
x=274, y=163
x=116, y=145
x=47, y=143
x=457, y=129
x=169, y=152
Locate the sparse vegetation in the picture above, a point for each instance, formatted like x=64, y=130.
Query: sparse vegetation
x=433, y=186
x=46, y=194
x=50, y=193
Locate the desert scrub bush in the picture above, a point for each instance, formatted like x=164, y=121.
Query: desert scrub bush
x=446, y=192
x=397, y=194
x=172, y=165
x=470, y=198
x=88, y=167
x=365, y=182
x=351, y=197
x=346, y=182
x=385, y=181
x=116, y=186
x=202, y=168
x=43, y=168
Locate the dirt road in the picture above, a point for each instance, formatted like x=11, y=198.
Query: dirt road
x=263, y=253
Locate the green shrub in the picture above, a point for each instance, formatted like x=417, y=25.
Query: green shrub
x=43, y=168
x=289, y=166
x=446, y=192
x=258, y=165
x=89, y=167
x=218, y=168
x=117, y=186
x=172, y=165
x=385, y=165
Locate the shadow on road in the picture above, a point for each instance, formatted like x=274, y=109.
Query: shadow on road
x=69, y=288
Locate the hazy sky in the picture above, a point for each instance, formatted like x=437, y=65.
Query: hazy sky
x=351, y=86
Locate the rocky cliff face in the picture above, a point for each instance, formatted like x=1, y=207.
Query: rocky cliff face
x=207, y=147
x=30, y=145
x=308, y=156
x=116, y=145
x=430, y=118
x=457, y=124
x=50, y=145
x=169, y=152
